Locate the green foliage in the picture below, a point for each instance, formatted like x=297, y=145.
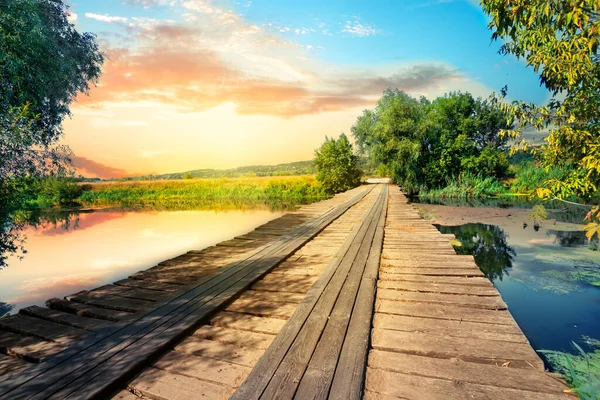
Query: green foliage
x=580, y=370
x=429, y=145
x=383, y=170
x=559, y=39
x=487, y=244
x=187, y=175
x=37, y=33
x=529, y=177
x=337, y=166
x=44, y=64
x=538, y=214
x=467, y=186
x=296, y=189
x=287, y=169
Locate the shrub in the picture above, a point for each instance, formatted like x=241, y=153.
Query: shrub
x=337, y=166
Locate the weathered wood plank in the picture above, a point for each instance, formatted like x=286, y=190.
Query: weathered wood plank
x=460, y=371
x=443, y=288
x=205, y=369
x=419, y=388
x=520, y=355
x=86, y=310
x=446, y=311
x=235, y=354
x=41, y=328
x=262, y=376
x=452, y=328
x=12, y=365
x=348, y=381
x=485, y=302
x=26, y=347
x=90, y=324
x=234, y=320
x=158, y=384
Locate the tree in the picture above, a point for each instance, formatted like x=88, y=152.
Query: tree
x=559, y=39
x=429, y=144
x=44, y=64
x=337, y=165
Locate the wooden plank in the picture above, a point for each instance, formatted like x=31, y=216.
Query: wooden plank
x=41, y=328
x=205, y=369
x=349, y=377
x=435, y=275
x=245, y=322
x=418, y=388
x=461, y=371
x=446, y=311
x=520, y=355
x=485, y=302
x=124, y=363
x=125, y=395
x=334, y=273
x=444, y=288
x=286, y=283
x=89, y=324
x=109, y=302
x=128, y=292
x=308, y=367
x=26, y=347
x=12, y=365
x=86, y=310
x=232, y=353
x=453, y=328
x=157, y=384
x=265, y=307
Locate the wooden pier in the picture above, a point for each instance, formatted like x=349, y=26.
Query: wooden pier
x=353, y=297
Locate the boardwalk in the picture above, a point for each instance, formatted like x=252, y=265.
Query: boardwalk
x=353, y=297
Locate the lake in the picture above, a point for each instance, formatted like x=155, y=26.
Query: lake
x=549, y=277
x=84, y=250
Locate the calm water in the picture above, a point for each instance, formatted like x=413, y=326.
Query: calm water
x=550, y=279
x=89, y=249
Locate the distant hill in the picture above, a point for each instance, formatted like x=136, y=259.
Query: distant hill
x=294, y=168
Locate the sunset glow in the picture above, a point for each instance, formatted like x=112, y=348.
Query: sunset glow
x=192, y=84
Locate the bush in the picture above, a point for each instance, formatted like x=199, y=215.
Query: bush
x=337, y=166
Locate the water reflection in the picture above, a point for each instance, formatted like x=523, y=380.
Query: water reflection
x=487, y=244
x=14, y=224
x=569, y=238
x=5, y=308
x=79, y=250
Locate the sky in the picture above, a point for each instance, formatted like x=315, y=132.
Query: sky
x=190, y=84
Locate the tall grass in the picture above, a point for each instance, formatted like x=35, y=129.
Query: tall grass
x=467, y=186
x=241, y=190
x=581, y=371
x=529, y=177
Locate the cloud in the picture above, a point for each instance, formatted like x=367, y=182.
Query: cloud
x=89, y=167
x=149, y=3
x=355, y=28
x=106, y=18
x=195, y=68
x=71, y=17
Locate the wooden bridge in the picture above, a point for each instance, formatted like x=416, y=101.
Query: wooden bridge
x=353, y=297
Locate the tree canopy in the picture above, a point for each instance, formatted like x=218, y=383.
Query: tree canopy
x=337, y=165
x=44, y=62
x=427, y=144
x=559, y=39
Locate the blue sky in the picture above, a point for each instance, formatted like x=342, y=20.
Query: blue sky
x=280, y=71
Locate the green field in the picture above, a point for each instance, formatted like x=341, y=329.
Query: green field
x=206, y=193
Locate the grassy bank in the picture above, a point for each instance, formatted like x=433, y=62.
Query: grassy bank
x=267, y=190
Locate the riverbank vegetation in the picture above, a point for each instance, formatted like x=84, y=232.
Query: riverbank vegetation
x=337, y=165
x=295, y=189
